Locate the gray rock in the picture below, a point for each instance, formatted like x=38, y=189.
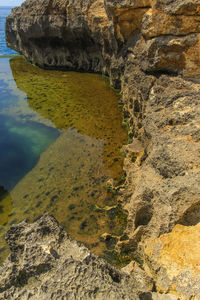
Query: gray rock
x=45, y=263
x=56, y=34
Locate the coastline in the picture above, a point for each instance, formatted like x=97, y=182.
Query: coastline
x=161, y=106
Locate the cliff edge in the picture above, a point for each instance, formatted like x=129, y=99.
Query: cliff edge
x=151, y=50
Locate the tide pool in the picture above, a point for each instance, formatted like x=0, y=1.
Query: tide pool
x=61, y=135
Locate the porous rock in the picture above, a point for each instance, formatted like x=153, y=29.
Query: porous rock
x=174, y=259
x=45, y=263
x=90, y=35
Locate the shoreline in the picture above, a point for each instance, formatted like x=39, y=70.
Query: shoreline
x=153, y=64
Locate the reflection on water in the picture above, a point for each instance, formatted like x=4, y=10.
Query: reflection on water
x=68, y=127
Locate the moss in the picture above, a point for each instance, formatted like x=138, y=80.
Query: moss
x=123, y=154
x=97, y=208
x=125, y=125
x=116, y=258
x=121, y=94
x=110, y=190
x=114, y=89
x=120, y=105
x=129, y=140
x=122, y=179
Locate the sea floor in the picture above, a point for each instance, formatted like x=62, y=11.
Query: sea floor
x=61, y=135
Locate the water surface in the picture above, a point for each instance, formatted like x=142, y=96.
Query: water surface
x=4, y=12
x=61, y=138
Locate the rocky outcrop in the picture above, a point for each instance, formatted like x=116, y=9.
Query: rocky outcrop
x=163, y=173
x=45, y=263
x=62, y=34
x=90, y=35
x=149, y=48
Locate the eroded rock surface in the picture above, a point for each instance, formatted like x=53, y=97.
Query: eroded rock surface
x=45, y=263
x=63, y=34
x=163, y=181
x=150, y=49
x=175, y=260
x=90, y=35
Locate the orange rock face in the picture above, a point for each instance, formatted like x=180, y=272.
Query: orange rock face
x=172, y=38
x=175, y=258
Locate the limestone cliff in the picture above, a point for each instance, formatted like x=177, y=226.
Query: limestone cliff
x=90, y=35
x=151, y=49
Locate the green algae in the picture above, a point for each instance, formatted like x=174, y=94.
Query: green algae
x=5, y=206
x=70, y=177
x=80, y=100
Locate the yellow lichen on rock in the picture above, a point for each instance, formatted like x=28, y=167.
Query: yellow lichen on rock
x=128, y=20
x=157, y=23
x=174, y=261
x=192, y=58
x=181, y=246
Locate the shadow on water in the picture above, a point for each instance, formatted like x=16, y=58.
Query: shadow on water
x=20, y=148
x=80, y=100
x=69, y=173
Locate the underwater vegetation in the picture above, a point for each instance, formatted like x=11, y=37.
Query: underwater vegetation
x=69, y=127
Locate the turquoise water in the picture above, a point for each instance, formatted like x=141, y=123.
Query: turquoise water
x=21, y=140
x=60, y=140
x=20, y=147
x=4, y=12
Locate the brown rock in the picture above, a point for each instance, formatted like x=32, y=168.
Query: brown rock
x=145, y=281
x=127, y=22
x=174, y=33
x=60, y=34
x=157, y=23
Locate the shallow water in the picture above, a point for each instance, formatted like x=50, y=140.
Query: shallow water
x=4, y=12
x=63, y=133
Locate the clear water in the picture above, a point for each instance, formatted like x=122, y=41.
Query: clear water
x=4, y=12
x=61, y=134
x=20, y=147
x=60, y=140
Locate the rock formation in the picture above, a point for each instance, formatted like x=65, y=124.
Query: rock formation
x=151, y=49
x=175, y=262
x=46, y=264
